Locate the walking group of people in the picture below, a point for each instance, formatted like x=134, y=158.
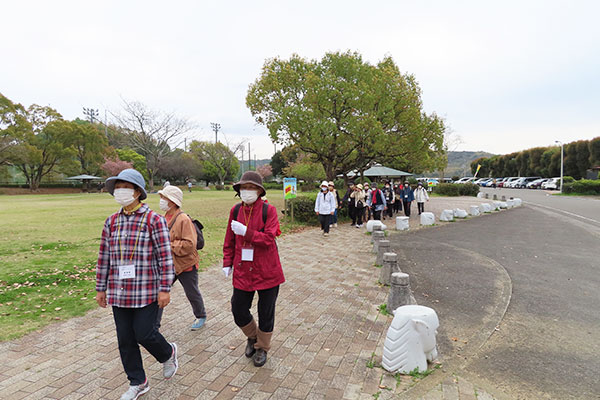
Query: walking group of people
x=142, y=253
x=367, y=202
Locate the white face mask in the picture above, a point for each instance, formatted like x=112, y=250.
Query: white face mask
x=124, y=196
x=249, y=196
x=164, y=204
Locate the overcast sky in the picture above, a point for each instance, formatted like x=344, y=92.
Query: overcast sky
x=506, y=75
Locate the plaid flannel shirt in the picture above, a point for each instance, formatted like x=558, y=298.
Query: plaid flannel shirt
x=152, y=257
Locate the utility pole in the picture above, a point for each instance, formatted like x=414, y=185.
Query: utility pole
x=185, y=144
x=561, y=164
x=90, y=113
x=242, y=160
x=215, y=127
x=249, y=156
x=105, y=124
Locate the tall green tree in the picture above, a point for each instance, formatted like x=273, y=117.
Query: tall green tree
x=13, y=127
x=45, y=147
x=90, y=144
x=594, y=149
x=218, y=162
x=345, y=112
x=137, y=160
x=278, y=163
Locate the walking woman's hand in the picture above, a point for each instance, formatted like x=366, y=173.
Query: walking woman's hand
x=101, y=299
x=164, y=298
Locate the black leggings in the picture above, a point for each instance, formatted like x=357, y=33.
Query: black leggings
x=241, y=301
x=420, y=207
x=357, y=218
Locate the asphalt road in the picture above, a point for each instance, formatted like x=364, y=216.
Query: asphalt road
x=518, y=295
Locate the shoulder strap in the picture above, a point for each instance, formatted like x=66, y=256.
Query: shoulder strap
x=265, y=211
x=174, y=219
x=236, y=210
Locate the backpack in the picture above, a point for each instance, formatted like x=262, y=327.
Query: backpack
x=265, y=209
x=197, y=226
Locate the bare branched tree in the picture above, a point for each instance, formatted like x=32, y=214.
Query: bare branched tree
x=151, y=133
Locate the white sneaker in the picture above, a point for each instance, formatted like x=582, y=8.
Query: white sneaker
x=170, y=366
x=326, y=234
x=335, y=225
x=135, y=391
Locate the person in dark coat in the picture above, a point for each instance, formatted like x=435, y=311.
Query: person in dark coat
x=250, y=252
x=398, y=202
x=407, y=198
x=346, y=200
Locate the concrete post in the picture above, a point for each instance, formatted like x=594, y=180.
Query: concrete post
x=399, y=291
x=503, y=198
x=384, y=247
x=390, y=265
x=487, y=195
x=376, y=237
x=495, y=197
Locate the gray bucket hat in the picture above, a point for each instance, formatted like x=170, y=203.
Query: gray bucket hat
x=127, y=175
x=250, y=177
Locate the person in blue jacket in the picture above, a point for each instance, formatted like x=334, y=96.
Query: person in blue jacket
x=407, y=198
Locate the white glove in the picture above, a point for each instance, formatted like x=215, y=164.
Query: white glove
x=238, y=228
x=226, y=271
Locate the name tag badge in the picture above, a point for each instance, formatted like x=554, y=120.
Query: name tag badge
x=406, y=196
x=127, y=271
x=247, y=254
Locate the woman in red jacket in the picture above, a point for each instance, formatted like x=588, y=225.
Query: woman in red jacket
x=251, y=252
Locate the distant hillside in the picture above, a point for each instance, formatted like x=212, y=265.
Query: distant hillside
x=459, y=162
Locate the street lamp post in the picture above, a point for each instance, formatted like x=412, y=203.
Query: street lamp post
x=561, y=164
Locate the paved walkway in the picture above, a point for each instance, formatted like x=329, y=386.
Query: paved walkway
x=327, y=342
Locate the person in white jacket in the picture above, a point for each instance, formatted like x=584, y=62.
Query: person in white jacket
x=421, y=197
x=325, y=206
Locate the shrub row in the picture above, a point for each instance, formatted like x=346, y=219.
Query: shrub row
x=584, y=186
x=451, y=189
x=304, y=209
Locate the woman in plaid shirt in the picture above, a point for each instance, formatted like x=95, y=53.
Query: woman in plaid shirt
x=134, y=275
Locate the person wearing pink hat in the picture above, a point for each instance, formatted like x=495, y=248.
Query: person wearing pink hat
x=185, y=256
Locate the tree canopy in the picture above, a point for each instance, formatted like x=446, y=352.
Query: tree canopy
x=347, y=113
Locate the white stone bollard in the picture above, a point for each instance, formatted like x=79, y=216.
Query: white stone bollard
x=382, y=248
x=474, y=210
x=447, y=216
x=375, y=238
x=390, y=265
x=497, y=205
x=487, y=207
x=510, y=203
x=410, y=341
x=518, y=202
x=480, y=195
x=503, y=205
x=371, y=223
x=427, y=218
x=402, y=223
x=460, y=213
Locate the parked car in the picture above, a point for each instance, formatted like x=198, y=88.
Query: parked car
x=536, y=184
x=521, y=183
x=551, y=184
x=500, y=182
x=509, y=181
x=464, y=179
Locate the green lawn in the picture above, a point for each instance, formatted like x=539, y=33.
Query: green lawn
x=49, y=245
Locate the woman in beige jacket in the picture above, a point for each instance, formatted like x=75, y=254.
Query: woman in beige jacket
x=183, y=246
x=360, y=202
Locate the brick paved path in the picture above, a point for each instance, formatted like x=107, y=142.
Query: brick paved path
x=327, y=330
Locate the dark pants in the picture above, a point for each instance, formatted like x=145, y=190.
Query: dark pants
x=241, y=301
x=377, y=215
x=351, y=211
x=406, y=208
x=397, y=206
x=189, y=281
x=136, y=326
x=325, y=220
x=420, y=207
x=357, y=219
x=390, y=210
x=334, y=217
x=368, y=214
